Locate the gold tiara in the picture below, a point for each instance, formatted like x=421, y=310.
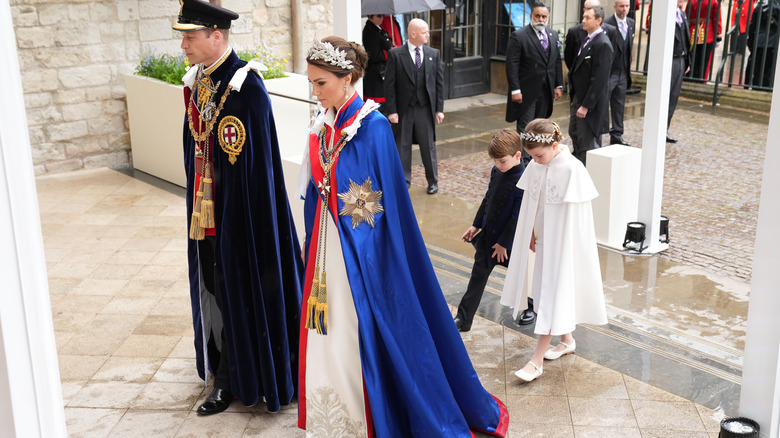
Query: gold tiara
x=326, y=52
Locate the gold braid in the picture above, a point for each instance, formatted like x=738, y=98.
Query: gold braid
x=317, y=305
x=203, y=210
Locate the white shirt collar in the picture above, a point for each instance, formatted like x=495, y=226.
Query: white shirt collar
x=595, y=32
x=411, y=49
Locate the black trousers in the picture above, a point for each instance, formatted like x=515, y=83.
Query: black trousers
x=582, y=136
x=210, y=275
x=480, y=272
x=678, y=70
x=617, y=102
x=539, y=108
x=416, y=123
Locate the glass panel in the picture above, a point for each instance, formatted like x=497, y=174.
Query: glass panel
x=512, y=15
x=467, y=29
x=436, y=28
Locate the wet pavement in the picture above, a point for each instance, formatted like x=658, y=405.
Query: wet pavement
x=712, y=175
x=688, y=304
x=668, y=364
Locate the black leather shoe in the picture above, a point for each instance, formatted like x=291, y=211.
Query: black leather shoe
x=618, y=139
x=433, y=188
x=462, y=326
x=527, y=317
x=670, y=139
x=633, y=90
x=218, y=401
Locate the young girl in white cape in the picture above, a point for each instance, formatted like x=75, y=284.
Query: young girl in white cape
x=556, y=223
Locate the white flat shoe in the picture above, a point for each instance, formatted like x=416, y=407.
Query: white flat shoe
x=552, y=354
x=522, y=375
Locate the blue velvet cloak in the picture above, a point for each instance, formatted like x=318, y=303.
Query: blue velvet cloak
x=417, y=373
x=257, y=252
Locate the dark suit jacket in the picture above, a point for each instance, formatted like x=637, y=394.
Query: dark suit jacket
x=528, y=67
x=400, y=82
x=576, y=35
x=621, y=61
x=589, y=78
x=682, y=41
x=376, y=41
x=497, y=215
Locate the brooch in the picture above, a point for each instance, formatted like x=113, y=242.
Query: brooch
x=361, y=202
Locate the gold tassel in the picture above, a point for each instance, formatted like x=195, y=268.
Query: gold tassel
x=196, y=231
x=322, y=307
x=311, y=304
x=207, y=206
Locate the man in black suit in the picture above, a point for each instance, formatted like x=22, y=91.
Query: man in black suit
x=589, y=77
x=414, y=96
x=681, y=61
x=576, y=35
x=574, y=39
x=621, y=68
x=533, y=69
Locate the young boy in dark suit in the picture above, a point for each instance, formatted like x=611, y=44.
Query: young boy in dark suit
x=493, y=229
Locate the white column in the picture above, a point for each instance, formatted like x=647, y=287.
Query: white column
x=348, y=25
x=659, y=73
x=760, y=395
x=30, y=391
x=346, y=20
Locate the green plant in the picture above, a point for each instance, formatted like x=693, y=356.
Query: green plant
x=265, y=55
x=171, y=69
x=165, y=67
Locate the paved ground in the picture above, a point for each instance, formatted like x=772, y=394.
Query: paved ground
x=116, y=258
x=712, y=177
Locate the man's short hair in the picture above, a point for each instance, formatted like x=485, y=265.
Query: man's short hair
x=598, y=12
x=539, y=4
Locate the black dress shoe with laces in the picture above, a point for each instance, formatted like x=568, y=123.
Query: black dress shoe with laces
x=216, y=402
x=461, y=325
x=618, y=139
x=433, y=188
x=671, y=139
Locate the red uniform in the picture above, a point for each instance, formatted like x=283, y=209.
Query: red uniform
x=702, y=29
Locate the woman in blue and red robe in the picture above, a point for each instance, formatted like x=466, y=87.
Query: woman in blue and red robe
x=379, y=352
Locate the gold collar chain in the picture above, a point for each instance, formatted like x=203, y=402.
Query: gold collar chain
x=204, y=135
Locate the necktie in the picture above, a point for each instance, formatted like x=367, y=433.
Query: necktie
x=623, y=28
x=583, y=45
x=417, y=60
x=679, y=18
x=543, y=39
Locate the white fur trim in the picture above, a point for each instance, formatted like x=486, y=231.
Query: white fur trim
x=189, y=77
x=317, y=123
x=240, y=75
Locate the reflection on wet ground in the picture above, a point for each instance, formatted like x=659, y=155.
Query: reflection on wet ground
x=677, y=319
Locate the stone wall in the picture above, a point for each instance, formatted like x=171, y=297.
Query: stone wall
x=73, y=56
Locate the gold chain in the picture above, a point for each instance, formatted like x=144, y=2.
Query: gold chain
x=203, y=136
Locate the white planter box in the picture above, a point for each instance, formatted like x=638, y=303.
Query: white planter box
x=292, y=116
x=156, y=113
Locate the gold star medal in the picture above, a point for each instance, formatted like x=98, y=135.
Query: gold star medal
x=231, y=135
x=361, y=202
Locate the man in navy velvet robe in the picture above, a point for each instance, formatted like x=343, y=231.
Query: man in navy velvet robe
x=245, y=267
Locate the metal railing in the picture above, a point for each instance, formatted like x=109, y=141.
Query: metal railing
x=741, y=54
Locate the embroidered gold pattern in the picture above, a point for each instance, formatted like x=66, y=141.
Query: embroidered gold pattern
x=327, y=416
x=361, y=202
x=231, y=135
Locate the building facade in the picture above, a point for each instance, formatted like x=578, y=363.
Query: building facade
x=73, y=56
